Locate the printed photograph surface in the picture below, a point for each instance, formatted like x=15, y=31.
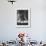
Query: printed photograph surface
x=22, y=17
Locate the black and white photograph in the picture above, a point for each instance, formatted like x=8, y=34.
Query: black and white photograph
x=23, y=16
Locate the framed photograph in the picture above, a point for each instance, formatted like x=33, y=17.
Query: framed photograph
x=23, y=17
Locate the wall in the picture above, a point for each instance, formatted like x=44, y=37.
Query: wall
x=8, y=28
